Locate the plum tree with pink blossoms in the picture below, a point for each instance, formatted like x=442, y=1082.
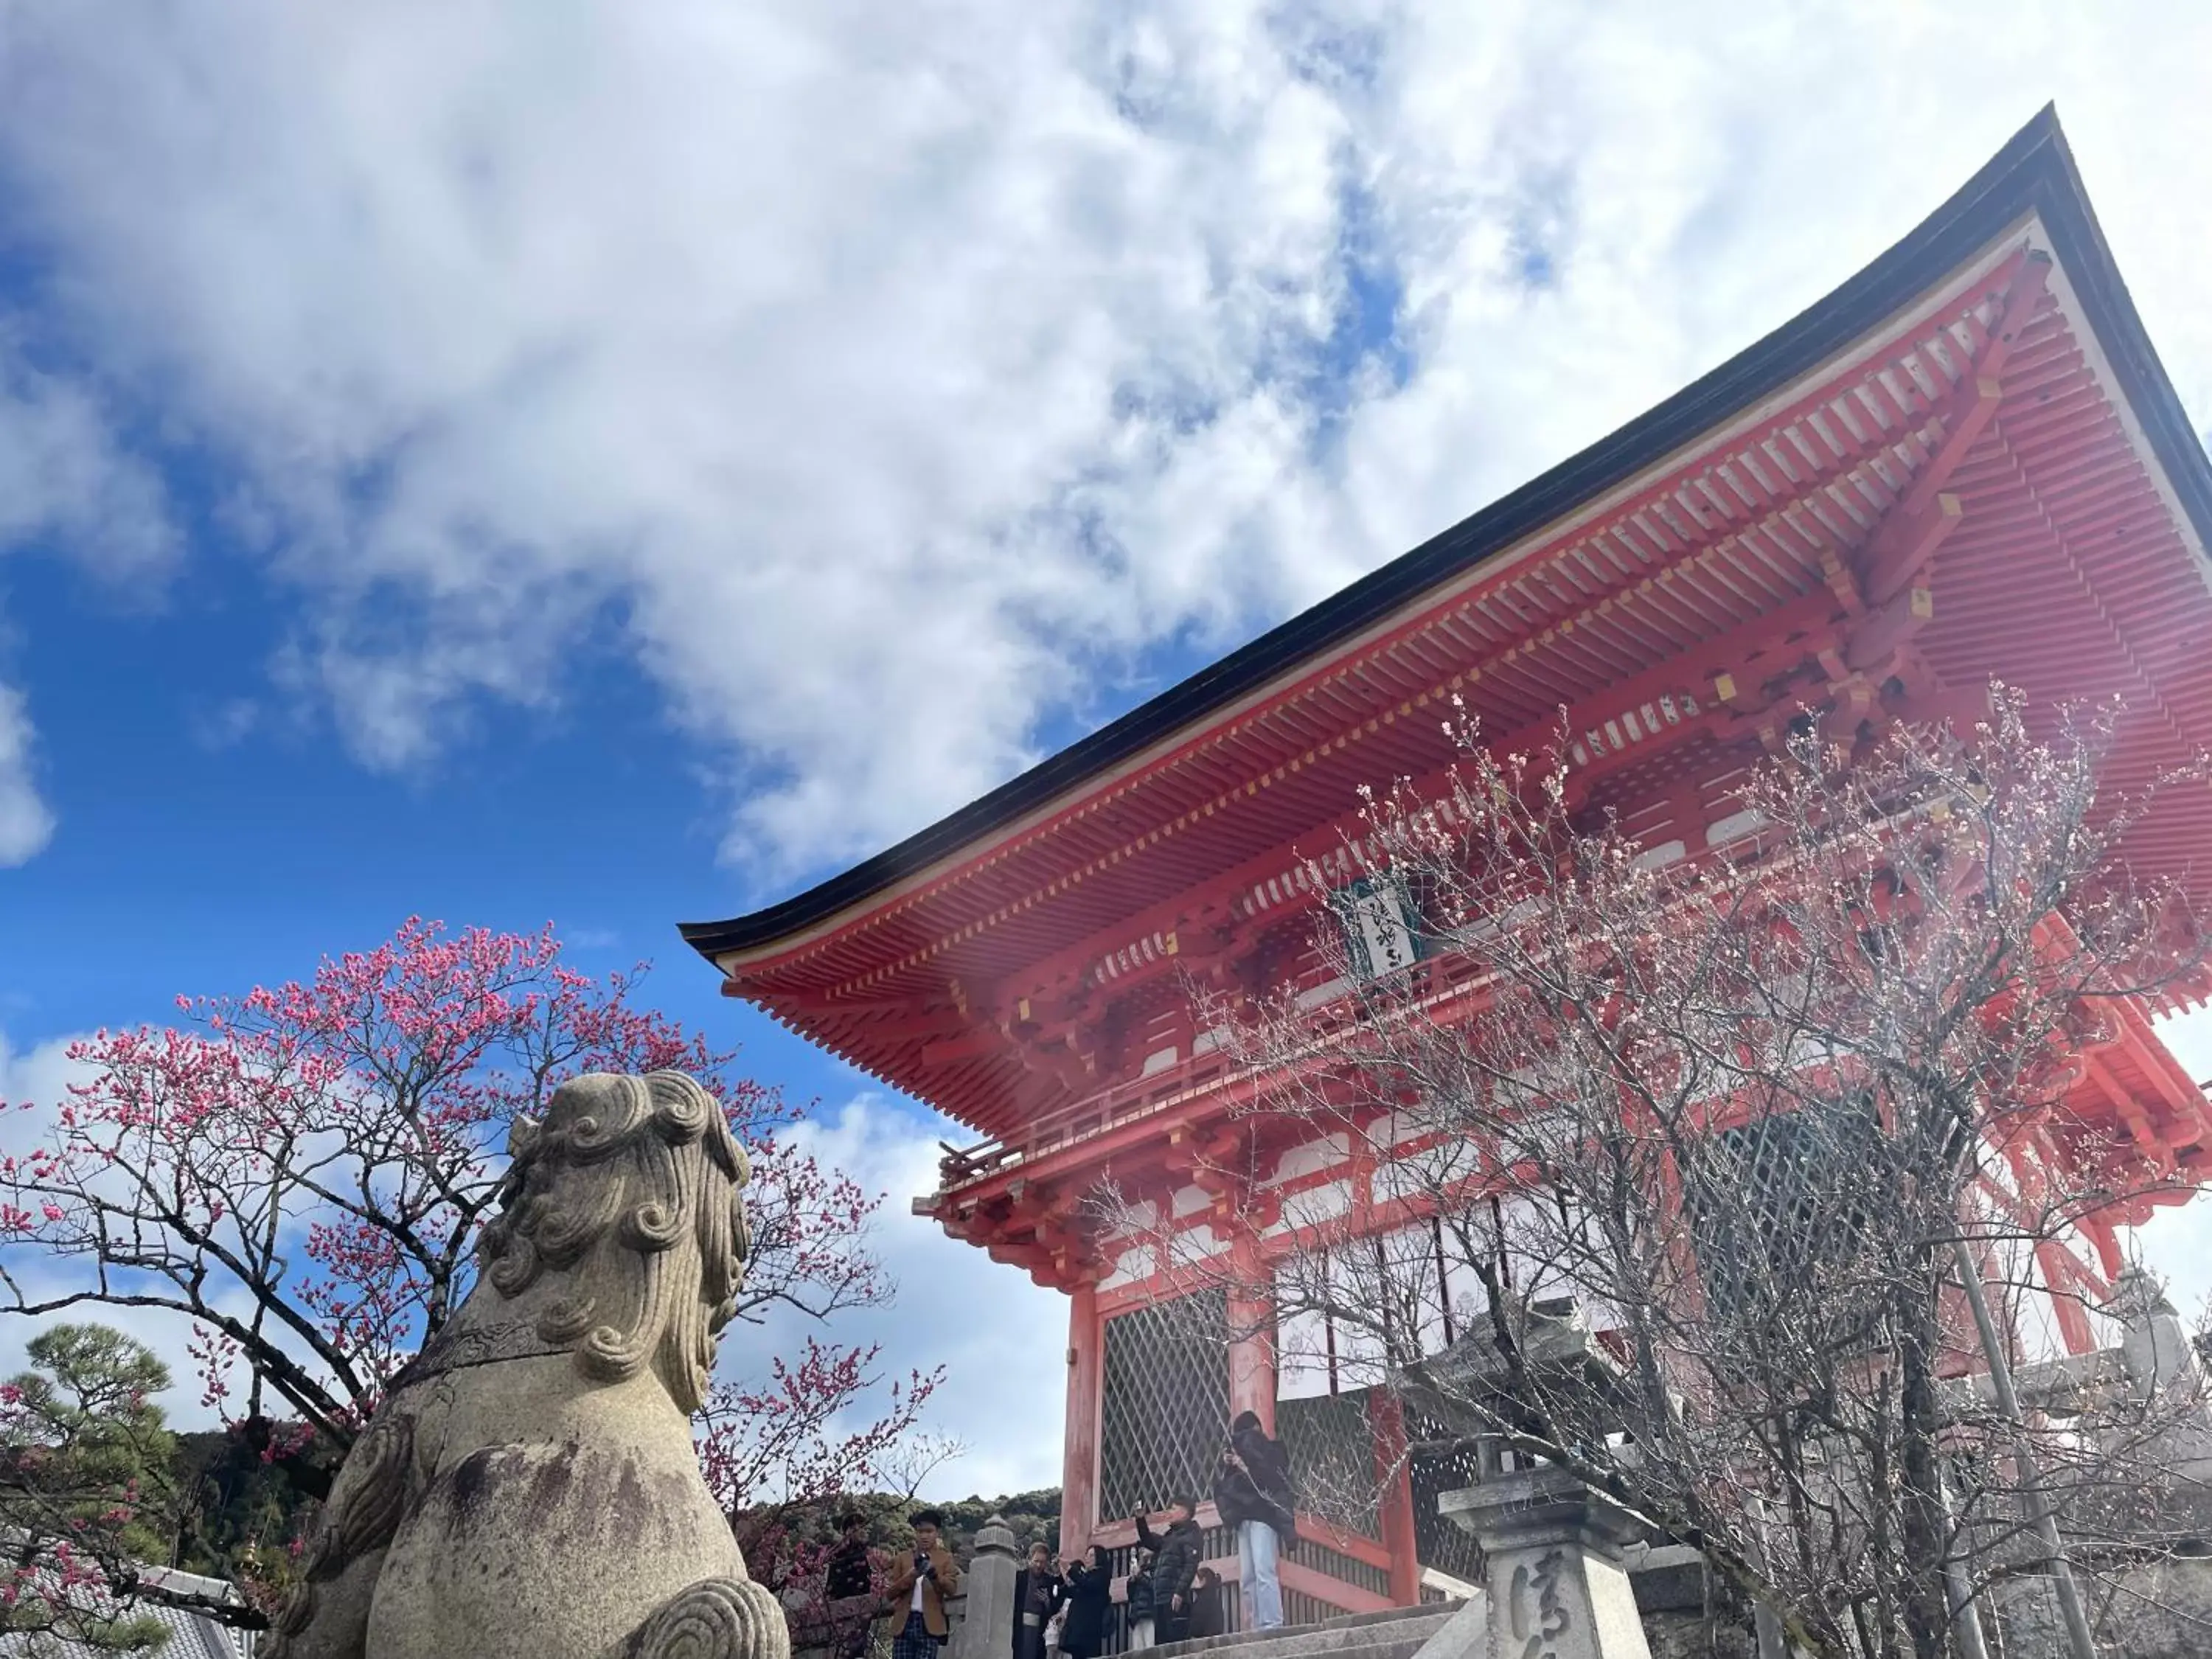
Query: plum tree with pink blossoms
x=302, y=1172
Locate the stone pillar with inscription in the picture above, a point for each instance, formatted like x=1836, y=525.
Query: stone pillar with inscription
x=1558, y=1587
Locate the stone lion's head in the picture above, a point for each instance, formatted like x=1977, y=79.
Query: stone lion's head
x=629, y=1186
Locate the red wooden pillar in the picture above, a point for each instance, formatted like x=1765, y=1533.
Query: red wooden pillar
x=1251, y=1331
x=1386, y=1422
x=1079, y=1468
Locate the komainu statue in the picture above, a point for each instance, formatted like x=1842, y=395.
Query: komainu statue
x=529, y=1485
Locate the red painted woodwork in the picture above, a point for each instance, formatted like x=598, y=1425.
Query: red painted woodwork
x=1956, y=495
x=1251, y=1359
x=1388, y=1421
x=2062, y=570
x=1078, y=1470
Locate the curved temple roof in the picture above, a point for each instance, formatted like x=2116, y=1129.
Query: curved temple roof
x=2033, y=174
x=1985, y=384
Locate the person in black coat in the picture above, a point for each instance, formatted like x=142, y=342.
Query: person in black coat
x=1176, y=1553
x=1206, y=1613
x=1252, y=1489
x=1090, y=1587
x=850, y=1575
x=1038, y=1593
x=1137, y=1601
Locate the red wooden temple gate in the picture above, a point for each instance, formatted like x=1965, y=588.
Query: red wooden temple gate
x=1965, y=464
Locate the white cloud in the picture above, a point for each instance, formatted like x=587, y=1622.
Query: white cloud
x=34, y=1081
x=37, y=1077
x=879, y=381
x=1002, y=1340
x=26, y=823
x=65, y=482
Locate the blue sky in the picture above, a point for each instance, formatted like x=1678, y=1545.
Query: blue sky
x=513, y=462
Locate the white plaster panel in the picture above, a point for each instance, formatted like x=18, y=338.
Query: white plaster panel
x=1317, y=1204
x=1196, y=1243
x=1130, y=1267
x=1137, y=1218
x=1190, y=1200
x=1735, y=827
x=1429, y=1169
x=1327, y=990
x=1310, y=1158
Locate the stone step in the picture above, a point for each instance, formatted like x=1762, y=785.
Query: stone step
x=1393, y=1633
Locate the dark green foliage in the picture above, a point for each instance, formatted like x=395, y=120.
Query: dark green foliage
x=88, y=1483
x=83, y=1450
x=244, y=1507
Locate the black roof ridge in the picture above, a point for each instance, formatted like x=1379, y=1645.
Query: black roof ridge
x=2033, y=173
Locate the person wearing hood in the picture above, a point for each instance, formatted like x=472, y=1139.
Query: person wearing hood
x=1176, y=1555
x=1252, y=1489
x=1137, y=1597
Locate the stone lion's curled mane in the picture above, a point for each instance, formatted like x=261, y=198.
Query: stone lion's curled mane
x=631, y=1186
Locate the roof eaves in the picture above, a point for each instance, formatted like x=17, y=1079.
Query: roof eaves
x=2033, y=173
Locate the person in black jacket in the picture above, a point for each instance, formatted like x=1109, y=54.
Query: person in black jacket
x=1137, y=1601
x=1206, y=1609
x=1252, y=1490
x=1038, y=1593
x=850, y=1576
x=1175, y=1556
x=1090, y=1587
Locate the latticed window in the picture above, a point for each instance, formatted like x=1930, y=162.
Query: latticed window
x=1781, y=1214
x=1165, y=1415
x=1331, y=1446
x=1440, y=1461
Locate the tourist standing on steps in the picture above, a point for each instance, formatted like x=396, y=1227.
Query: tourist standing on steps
x=1090, y=1586
x=1037, y=1594
x=1252, y=1490
x=1175, y=1556
x=1137, y=1596
x=926, y=1575
x=1206, y=1608
x=850, y=1576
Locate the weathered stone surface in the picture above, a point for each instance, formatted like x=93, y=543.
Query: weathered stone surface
x=529, y=1486
x=2145, y=1610
x=1553, y=1566
x=1667, y=1578
x=987, y=1630
x=1464, y=1635
x=1346, y=1636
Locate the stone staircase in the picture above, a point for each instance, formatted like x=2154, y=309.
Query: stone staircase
x=1395, y=1633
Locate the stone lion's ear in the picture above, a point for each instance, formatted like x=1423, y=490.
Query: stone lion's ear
x=522, y=1136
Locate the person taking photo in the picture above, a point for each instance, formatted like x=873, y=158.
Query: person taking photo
x=1252, y=1489
x=926, y=1575
x=1175, y=1556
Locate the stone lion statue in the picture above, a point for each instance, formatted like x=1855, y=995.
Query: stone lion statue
x=529, y=1485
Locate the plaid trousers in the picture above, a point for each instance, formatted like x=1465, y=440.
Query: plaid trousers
x=915, y=1642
